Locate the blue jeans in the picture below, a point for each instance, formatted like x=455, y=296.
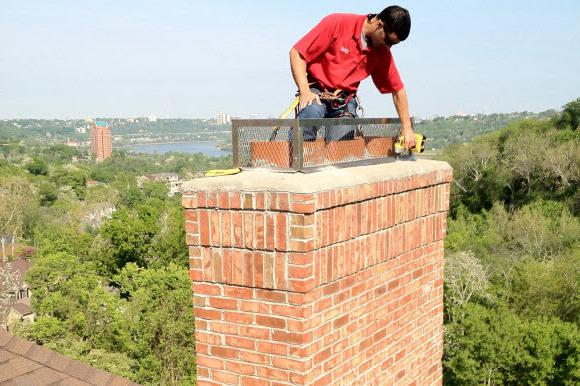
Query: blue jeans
x=333, y=133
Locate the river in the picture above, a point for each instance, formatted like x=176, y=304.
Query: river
x=207, y=148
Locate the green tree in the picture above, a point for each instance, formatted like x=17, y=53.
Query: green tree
x=160, y=320
x=570, y=117
x=547, y=288
x=38, y=167
x=492, y=346
x=74, y=178
x=130, y=235
x=465, y=280
x=47, y=192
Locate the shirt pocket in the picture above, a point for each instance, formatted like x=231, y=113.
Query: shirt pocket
x=344, y=52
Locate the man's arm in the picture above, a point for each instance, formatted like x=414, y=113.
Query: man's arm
x=402, y=106
x=298, y=67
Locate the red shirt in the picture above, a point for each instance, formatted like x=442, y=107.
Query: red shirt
x=336, y=59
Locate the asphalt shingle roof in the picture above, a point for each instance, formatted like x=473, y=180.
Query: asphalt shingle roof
x=26, y=363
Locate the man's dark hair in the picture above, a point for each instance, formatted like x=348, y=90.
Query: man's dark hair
x=396, y=19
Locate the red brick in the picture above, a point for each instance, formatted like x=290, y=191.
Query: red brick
x=269, y=321
x=292, y=311
x=238, y=317
x=211, y=199
x=249, y=236
x=248, y=344
x=246, y=381
x=248, y=269
x=269, y=295
x=300, y=272
x=226, y=228
x=238, y=292
x=256, y=358
x=189, y=201
x=270, y=232
x=273, y=374
x=260, y=231
x=201, y=199
x=281, y=232
x=254, y=332
x=210, y=362
x=227, y=304
x=281, y=336
x=208, y=338
x=240, y=368
x=258, y=269
x=204, y=227
x=223, y=200
x=225, y=378
x=260, y=200
x=272, y=348
x=248, y=201
x=237, y=229
x=282, y=201
x=254, y=307
x=207, y=289
x=268, y=270
x=204, y=313
x=326, y=380
x=287, y=363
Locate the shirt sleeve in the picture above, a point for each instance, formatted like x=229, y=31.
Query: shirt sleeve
x=386, y=76
x=318, y=40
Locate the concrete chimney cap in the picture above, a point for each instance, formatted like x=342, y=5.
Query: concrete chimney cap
x=269, y=180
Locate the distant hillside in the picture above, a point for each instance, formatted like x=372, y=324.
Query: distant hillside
x=124, y=130
x=441, y=131
x=444, y=131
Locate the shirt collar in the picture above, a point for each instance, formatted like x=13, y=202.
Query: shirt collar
x=358, y=35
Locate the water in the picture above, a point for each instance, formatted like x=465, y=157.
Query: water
x=207, y=148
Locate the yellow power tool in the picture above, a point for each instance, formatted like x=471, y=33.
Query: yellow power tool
x=418, y=148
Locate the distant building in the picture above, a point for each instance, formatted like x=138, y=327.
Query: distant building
x=72, y=143
x=152, y=118
x=221, y=118
x=101, y=146
x=171, y=179
x=15, y=304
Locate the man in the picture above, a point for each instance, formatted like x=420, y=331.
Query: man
x=337, y=54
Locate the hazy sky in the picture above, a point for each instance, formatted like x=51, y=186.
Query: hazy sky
x=177, y=58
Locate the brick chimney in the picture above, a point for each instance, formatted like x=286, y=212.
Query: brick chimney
x=328, y=278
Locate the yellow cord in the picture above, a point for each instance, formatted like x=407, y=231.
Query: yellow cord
x=290, y=108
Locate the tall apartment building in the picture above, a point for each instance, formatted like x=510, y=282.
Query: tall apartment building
x=222, y=118
x=101, y=146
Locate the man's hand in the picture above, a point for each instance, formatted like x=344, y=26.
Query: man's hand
x=402, y=106
x=409, y=135
x=307, y=98
x=298, y=66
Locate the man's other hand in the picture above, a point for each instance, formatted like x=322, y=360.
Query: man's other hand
x=307, y=98
x=409, y=135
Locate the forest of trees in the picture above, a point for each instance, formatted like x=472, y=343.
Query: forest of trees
x=512, y=280
x=109, y=277
x=444, y=131
x=110, y=284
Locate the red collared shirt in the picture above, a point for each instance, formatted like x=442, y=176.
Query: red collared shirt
x=336, y=59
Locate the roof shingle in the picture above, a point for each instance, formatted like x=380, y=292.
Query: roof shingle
x=26, y=363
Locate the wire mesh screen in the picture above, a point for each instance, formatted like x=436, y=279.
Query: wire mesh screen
x=300, y=144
